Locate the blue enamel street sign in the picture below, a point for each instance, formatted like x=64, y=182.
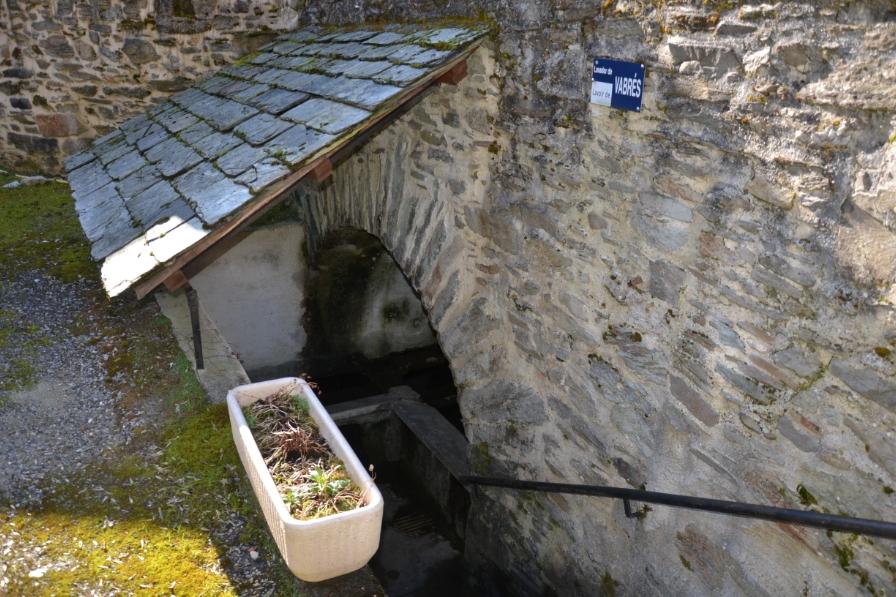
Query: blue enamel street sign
x=617, y=84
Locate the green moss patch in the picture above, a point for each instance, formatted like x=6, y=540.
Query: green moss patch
x=39, y=230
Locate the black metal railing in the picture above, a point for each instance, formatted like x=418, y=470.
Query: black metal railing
x=846, y=524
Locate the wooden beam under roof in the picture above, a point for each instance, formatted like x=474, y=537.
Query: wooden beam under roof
x=279, y=190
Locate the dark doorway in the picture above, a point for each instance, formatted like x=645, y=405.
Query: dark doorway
x=368, y=335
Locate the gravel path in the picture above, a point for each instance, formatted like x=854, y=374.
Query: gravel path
x=67, y=419
x=68, y=416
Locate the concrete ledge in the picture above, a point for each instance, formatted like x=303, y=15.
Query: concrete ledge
x=223, y=370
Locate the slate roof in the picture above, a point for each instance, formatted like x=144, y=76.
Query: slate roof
x=163, y=180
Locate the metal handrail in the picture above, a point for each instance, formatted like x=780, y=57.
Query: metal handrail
x=846, y=524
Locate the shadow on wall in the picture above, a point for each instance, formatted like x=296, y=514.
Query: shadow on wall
x=366, y=328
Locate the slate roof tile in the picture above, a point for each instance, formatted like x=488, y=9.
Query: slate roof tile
x=126, y=164
x=133, y=133
x=263, y=173
x=88, y=178
x=297, y=143
x=356, y=68
x=177, y=239
x=195, y=134
x=260, y=128
x=263, y=58
x=362, y=92
x=307, y=82
x=151, y=189
x=242, y=71
x=237, y=160
x=251, y=91
x=359, y=35
x=138, y=181
x=271, y=75
x=192, y=183
x=346, y=50
x=157, y=203
x=278, y=100
x=216, y=144
x=213, y=84
x=79, y=159
x=302, y=36
x=173, y=157
x=118, y=231
x=286, y=47
x=312, y=49
x=399, y=74
x=220, y=200
x=445, y=35
x=386, y=38
x=377, y=52
x=154, y=135
x=325, y=115
x=145, y=203
x=221, y=113
x=112, y=151
x=288, y=62
x=187, y=96
x=414, y=54
x=175, y=120
x=97, y=201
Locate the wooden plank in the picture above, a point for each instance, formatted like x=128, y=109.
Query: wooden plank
x=446, y=443
x=455, y=75
x=275, y=193
x=323, y=170
x=176, y=281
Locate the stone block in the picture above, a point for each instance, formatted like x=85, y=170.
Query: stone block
x=693, y=401
x=139, y=51
x=866, y=382
x=57, y=125
x=666, y=281
x=32, y=143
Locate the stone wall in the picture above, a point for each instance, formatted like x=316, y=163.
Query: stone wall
x=70, y=70
x=698, y=298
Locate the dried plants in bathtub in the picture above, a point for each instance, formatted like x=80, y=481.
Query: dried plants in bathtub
x=310, y=478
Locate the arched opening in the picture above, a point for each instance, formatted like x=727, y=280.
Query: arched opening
x=368, y=340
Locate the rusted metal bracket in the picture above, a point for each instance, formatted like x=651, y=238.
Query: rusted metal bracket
x=193, y=305
x=455, y=75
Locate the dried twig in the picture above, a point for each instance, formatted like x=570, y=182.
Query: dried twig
x=312, y=481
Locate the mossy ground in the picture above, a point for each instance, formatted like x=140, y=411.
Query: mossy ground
x=39, y=230
x=149, y=518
